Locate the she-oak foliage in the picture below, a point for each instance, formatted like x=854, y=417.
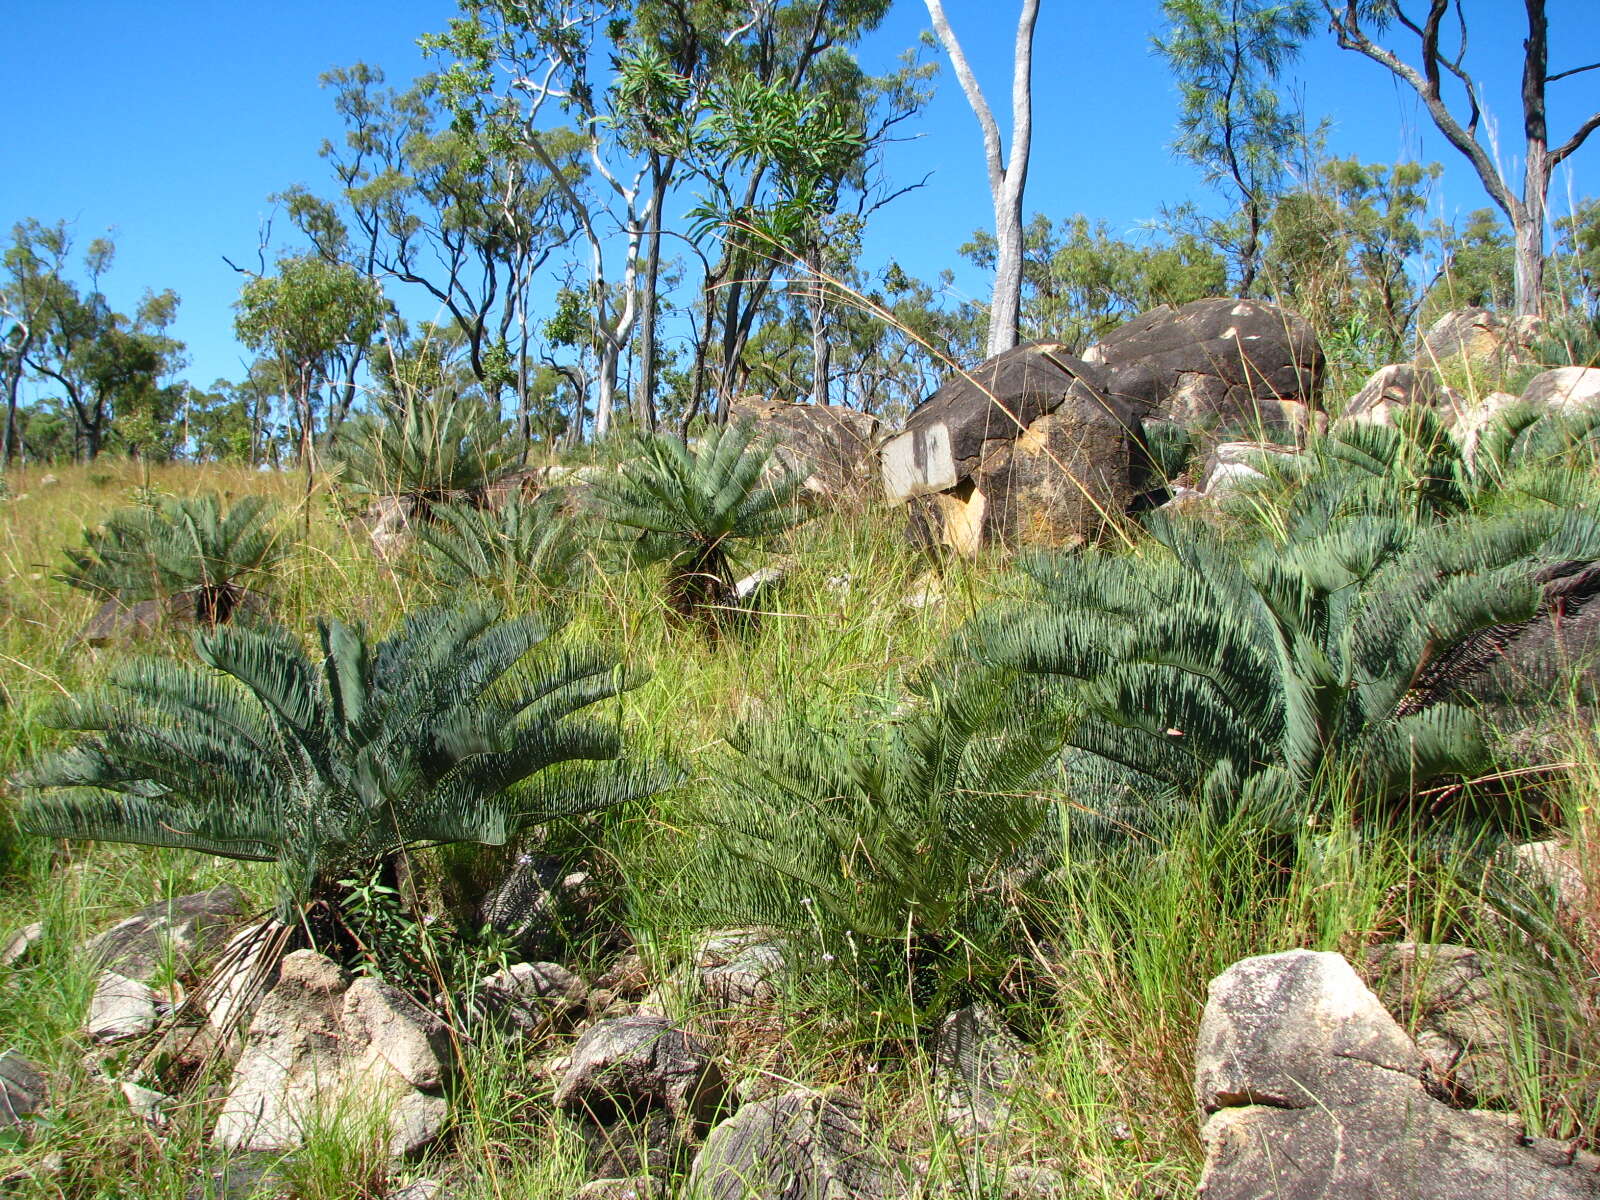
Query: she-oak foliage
x=451, y=729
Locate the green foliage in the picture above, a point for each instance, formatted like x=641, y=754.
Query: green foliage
x=688, y=508
x=433, y=449
x=178, y=545
x=520, y=548
x=1269, y=678
x=439, y=733
x=879, y=829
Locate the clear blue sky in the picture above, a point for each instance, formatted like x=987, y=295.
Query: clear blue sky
x=171, y=123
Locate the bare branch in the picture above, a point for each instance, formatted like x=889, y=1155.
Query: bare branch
x=1576, y=140
x=1575, y=71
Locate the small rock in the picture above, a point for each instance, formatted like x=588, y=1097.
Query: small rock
x=21, y=943
x=120, y=1008
x=48, y=481
x=741, y=968
x=179, y=932
x=759, y=582
x=637, y=1187
x=977, y=1065
x=147, y=1105
x=421, y=1189
x=801, y=1144
x=528, y=996
x=23, y=1091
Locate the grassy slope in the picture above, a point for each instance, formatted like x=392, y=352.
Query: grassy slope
x=1113, y=985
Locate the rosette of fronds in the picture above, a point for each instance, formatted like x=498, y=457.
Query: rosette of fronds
x=178, y=545
x=523, y=546
x=430, y=450
x=690, y=508
x=1275, y=676
x=1547, y=453
x=460, y=726
x=874, y=829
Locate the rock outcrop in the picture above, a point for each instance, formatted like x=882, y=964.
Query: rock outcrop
x=1221, y=367
x=1402, y=385
x=831, y=449
x=320, y=1042
x=1564, y=388
x=179, y=933
x=1025, y=448
x=1312, y=1090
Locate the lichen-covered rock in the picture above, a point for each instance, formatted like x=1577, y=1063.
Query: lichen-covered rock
x=741, y=968
x=1024, y=448
x=830, y=449
x=320, y=1041
x=178, y=932
x=801, y=1145
x=1221, y=367
x=1312, y=1091
x=977, y=1066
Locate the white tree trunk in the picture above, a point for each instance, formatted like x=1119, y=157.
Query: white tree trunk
x=1007, y=177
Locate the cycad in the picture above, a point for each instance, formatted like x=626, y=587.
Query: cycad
x=451, y=729
x=878, y=830
x=180, y=545
x=522, y=545
x=1270, y=676
x=433, y=449
x=689, y=508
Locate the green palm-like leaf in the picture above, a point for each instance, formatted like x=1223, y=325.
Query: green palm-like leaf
x=183, y=544
x=432, y=450
x=460, y=726
x=521, y=546
x=690, y=508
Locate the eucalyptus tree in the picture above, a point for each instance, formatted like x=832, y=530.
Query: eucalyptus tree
x=303, y=317
x=1007, y=172
x=103, y=363
x=1227, y=56
x=437, y=207
x=1441, y=43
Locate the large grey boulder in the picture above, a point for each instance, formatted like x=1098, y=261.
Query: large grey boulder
x=530, y=997
x=1220, y=366
x=1564, y=388
x=1026, y=447
x=801, y=1145
x=1310, y=1089
x=319, y=1043
x=641, y=1089
x=180, y=932
x=740, y=969
x=830, y=449
x=1402, y=385
x=1479, y=336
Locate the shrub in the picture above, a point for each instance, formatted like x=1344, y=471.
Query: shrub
x=179, y=545
x=689, y=508
x=449, y=730
x=879, y=840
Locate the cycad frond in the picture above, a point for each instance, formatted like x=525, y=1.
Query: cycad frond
x=434, y=734
x=690, y=508
x=183, y=544
x=523, y=545
x=432, y=449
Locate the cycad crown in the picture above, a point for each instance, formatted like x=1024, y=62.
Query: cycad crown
x=524, y=545
x=182, y=544
x=688, y=507
x=328, y=765
x=1274, y=674
x=880, y=832
x=434, y=449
